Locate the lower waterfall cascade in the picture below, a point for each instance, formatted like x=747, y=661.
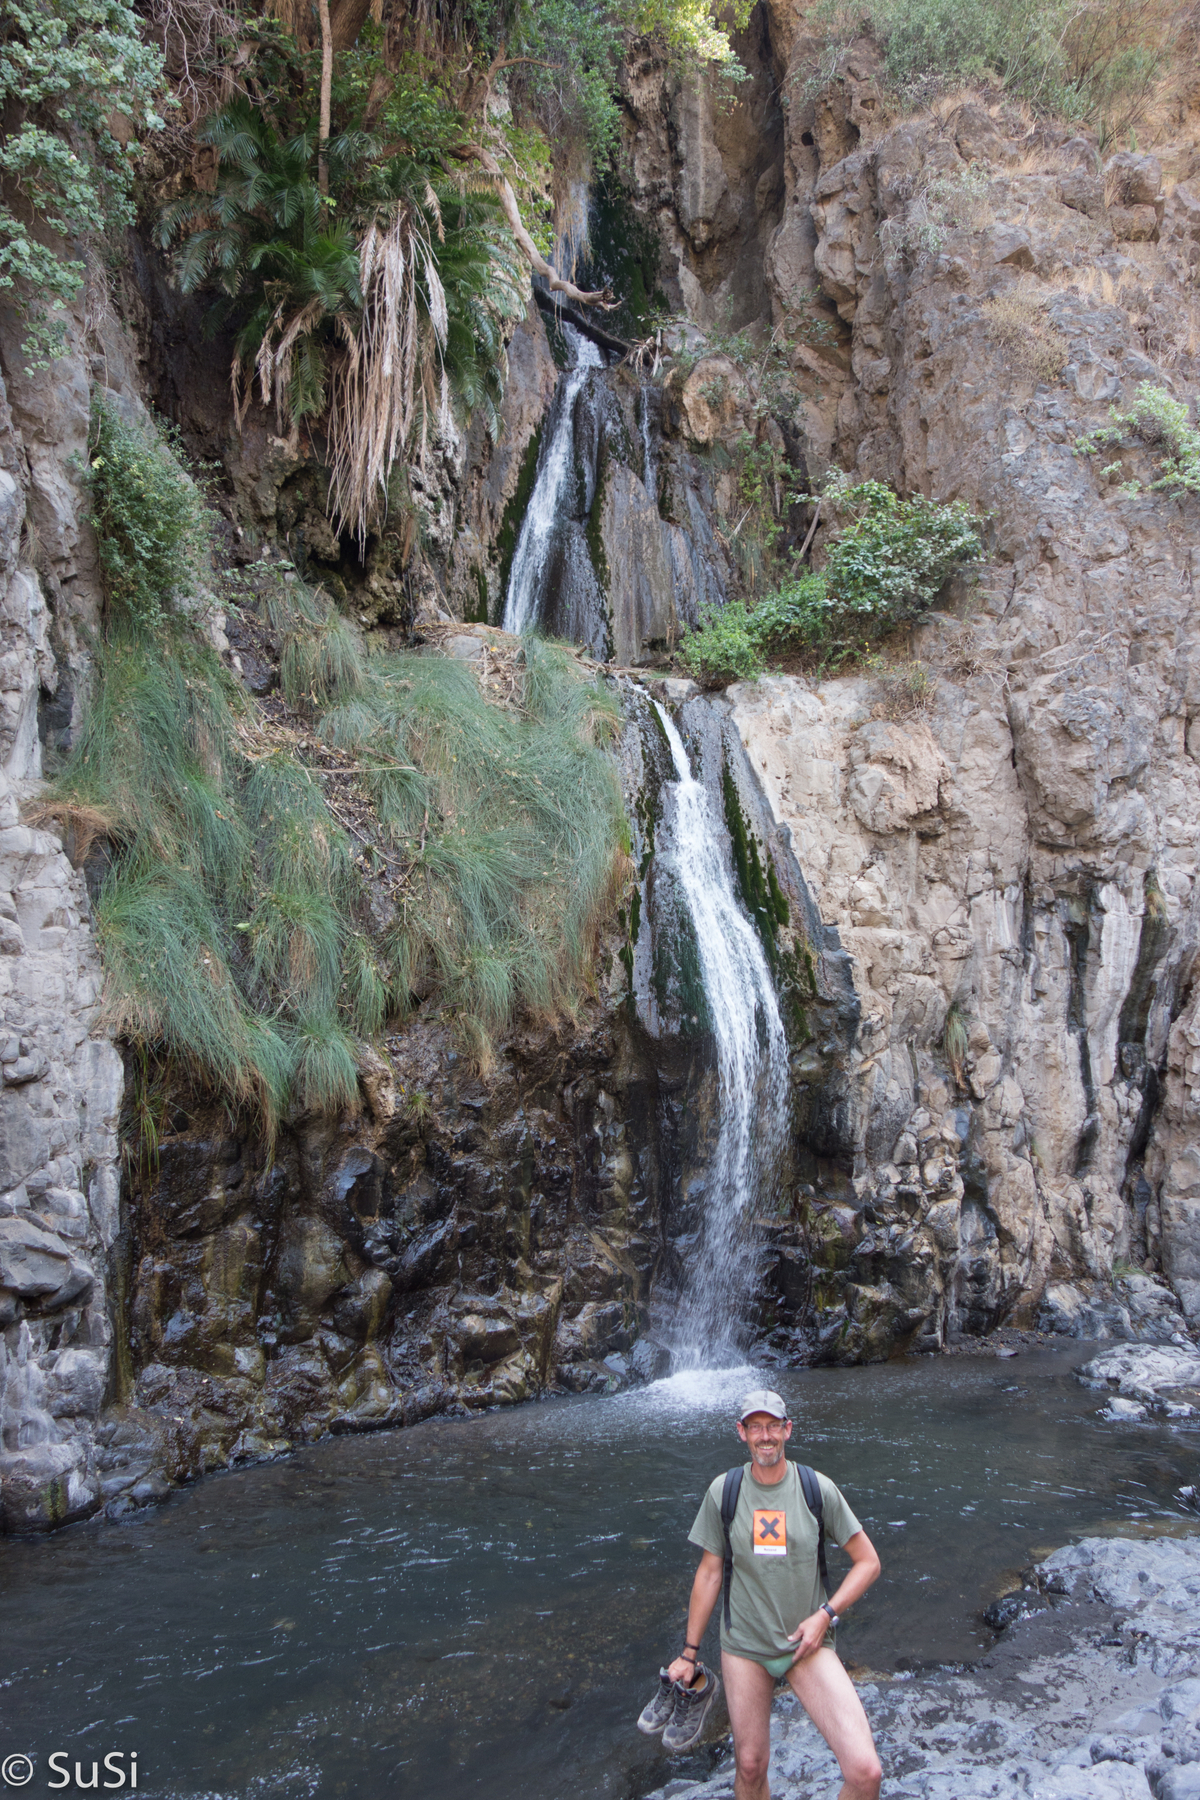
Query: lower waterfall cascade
x=752, y=1072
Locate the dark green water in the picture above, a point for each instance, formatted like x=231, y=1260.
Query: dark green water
x=480, y=1607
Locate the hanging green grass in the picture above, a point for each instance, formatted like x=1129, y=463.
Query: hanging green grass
x=279, y=891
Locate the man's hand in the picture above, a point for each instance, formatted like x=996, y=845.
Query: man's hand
x=809, y=1635
x=682, y=1669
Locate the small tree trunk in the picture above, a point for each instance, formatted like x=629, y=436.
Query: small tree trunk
x=512, y=212
x=326, y=94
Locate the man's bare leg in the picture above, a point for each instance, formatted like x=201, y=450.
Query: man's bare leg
x=828, y=1696
x=748, y=1693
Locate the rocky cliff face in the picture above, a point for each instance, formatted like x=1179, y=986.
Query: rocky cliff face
x=62, y=1081
x=990, y=965
x=1012, y=864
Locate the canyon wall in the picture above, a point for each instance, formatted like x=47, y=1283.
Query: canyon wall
x=1010, y=849
x=990, y=873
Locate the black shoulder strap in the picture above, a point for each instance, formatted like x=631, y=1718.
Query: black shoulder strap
x=729, y=1504
x=816, y=1506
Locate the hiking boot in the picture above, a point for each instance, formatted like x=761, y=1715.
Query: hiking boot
x=655, y=1714
x=692, y=1707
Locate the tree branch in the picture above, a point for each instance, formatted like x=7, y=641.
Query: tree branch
x=512, y=212
x=326, y=94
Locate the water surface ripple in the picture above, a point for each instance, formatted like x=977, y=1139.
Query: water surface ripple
x=478, y=1607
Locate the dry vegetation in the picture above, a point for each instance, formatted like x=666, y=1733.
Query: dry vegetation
x=1017, y=322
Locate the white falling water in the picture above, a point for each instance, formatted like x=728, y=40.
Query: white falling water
x=752, y=1070
x=545, y=511
x=647, y=453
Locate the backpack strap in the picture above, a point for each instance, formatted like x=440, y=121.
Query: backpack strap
x=816, y=1506
x=729, y=1504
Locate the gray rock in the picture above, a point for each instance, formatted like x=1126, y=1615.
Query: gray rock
x=1143, y=1372
x=649, y=1361
x=1125, y=1409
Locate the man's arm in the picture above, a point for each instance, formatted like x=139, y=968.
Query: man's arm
x=864, y=1569
x=705, y=1591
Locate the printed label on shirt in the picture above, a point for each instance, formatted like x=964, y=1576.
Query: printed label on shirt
x=770, y=1532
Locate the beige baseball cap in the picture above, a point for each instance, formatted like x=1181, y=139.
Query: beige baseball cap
x=762, y=1400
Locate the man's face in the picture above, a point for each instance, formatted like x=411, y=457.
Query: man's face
x=766, y=1436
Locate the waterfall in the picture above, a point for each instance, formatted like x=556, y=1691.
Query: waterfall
x=647, y=453
x=752, y=1071
x=547, y=508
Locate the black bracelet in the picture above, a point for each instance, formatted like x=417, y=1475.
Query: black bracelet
x=691, y=1646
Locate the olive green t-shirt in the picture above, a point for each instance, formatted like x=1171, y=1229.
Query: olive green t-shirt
x=776, y=1582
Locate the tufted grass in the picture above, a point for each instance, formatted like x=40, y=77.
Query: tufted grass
x=280, y=885
x=251, y=940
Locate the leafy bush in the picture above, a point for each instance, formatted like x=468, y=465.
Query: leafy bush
x=151, y=527
x=70, y=71
x=1163, y=423
x=721, y=648
x=893, y=561
x=881, y=571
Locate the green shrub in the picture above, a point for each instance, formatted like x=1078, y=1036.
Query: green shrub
x=151, y=527
x=882, y=570
x=68, y=69
x=721, y=648
x=1161, y=422
x=893, y=561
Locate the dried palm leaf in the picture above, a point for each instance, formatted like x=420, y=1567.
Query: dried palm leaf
x=390, y=382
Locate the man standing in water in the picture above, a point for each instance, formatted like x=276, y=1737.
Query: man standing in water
x=775, y=1581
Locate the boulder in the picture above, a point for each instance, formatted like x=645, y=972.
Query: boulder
x=1148, y=1373
x=706, y=405
x=38, y=1267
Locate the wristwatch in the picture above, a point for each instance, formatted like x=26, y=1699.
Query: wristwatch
x=833, y=1618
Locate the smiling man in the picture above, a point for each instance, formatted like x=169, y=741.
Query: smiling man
x=774, y=1622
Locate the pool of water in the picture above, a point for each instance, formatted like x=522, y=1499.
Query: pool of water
x=479, y=1607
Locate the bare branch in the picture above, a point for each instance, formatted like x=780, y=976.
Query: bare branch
x=512, y=212
x=326, y=94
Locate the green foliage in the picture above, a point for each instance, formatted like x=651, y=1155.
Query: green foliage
x=722, y=647
x=895, y=558
x=151, y=527
x=396, y=280
x=1163, y=423
x=575, y=93
x=66, y=68
x=268, y=905
x=881, y=571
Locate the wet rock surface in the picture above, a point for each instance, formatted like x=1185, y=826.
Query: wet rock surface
x=1164, y=1379
x=1093, y=1696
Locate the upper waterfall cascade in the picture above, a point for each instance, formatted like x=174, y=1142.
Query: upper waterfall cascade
x=752, y=1072
x=522, y=603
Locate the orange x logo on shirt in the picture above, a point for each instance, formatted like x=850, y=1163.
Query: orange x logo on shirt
x=769, y=1534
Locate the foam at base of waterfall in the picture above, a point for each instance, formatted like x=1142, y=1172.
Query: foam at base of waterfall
x=543, y=515
x=752, y=1070
x=697, y=1390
